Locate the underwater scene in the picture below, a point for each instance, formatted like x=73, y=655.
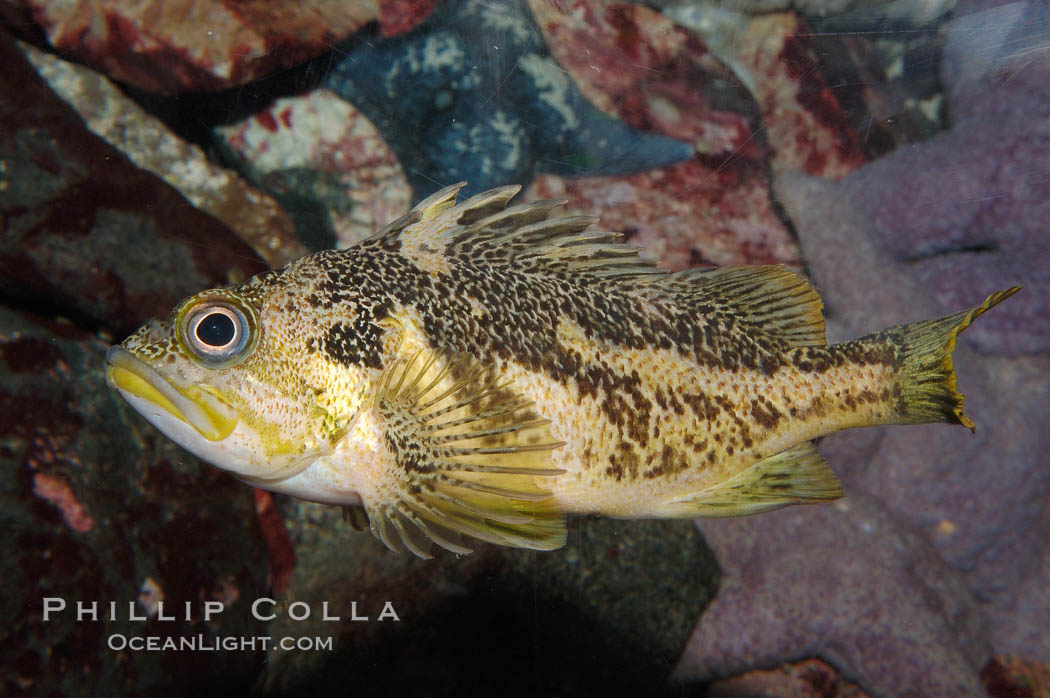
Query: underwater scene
x=525, y=348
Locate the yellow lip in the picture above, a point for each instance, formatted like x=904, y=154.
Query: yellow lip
x=209, y=414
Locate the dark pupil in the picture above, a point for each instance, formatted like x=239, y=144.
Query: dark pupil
x=216, y=330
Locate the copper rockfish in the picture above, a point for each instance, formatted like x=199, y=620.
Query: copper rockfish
x=476, y=370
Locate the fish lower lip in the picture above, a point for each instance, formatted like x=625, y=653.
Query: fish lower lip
x=207, y=413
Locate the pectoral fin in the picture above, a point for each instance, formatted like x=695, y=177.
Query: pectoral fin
x=796, y=476
x=355, y=516
x=470, y=458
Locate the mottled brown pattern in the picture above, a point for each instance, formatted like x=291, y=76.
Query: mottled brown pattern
x=476, y=370
x=764, y=413
x=501, y=301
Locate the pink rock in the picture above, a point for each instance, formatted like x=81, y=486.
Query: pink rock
x=637, y=65
x=197, y=45
x=844, y=582
x=57, y=491
x=399, y=16
x=365, y=187
x=805, y=125
x=683, y=215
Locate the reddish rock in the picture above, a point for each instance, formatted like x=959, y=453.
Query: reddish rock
x=87, y=231
x=199, y=45
x=278, y=543
x=806, y=126
x=99, y=508
x=656, y=75
x=323, y=149
x=1010, y=677
x=803, y=123
x=810, y=678
x=399, y=16
x=637, y=65
x=255, y=216
x=56, y=490
x=683, y=215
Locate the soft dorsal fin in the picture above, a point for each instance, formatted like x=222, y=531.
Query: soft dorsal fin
x=483, y=228
x=774, y=299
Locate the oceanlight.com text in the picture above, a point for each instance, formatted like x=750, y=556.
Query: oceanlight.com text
x=205, y=643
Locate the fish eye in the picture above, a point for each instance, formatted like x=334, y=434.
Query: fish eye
x=215, y=329
x=219, y=333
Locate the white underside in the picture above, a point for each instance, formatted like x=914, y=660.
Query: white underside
x=239, y=453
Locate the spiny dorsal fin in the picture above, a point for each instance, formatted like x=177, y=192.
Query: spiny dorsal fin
x=772, y=298
x=483, y=229
x=468, y=457
x=429, y=207
x=796, y=476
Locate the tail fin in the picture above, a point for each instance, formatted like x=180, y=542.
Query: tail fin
x=927, y=376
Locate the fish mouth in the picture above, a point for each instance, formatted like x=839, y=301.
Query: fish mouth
x=206, y=412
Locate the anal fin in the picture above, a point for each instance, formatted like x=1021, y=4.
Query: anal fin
x=798, y=475
x=469, y=458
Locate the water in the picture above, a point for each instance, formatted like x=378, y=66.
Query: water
x=896, y=153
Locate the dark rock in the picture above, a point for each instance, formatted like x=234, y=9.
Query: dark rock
x=83, y=229
x=113, y=116
x=609, y=613
x=198, y=45
x=98, y=507
x=475, y=95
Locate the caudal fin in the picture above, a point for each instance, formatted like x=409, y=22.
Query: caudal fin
x=927, y=375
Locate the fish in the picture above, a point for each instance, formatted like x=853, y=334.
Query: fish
x=478, y=370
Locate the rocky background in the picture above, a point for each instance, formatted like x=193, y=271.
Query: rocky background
x=898, y=153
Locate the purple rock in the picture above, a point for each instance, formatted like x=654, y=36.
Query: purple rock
x=980, y=500
x=940, y=554
x=968, y=210
x=845, y=581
